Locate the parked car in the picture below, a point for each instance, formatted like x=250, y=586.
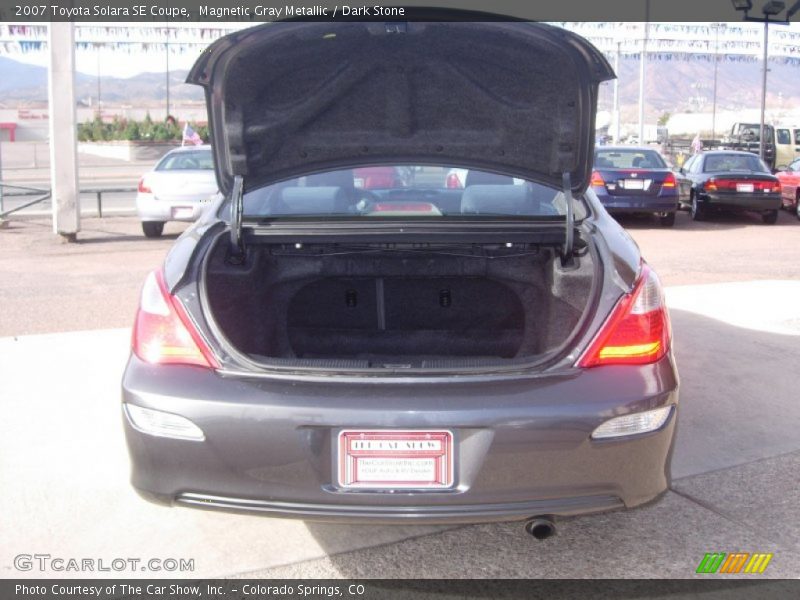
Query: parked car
x=322, y=351
x=635, y=180
x=461, y=178
x=370, y=178
x=730, y=180
x=179, y=188
x=789, y=180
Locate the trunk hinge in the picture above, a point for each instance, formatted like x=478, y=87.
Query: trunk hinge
x=236, y=253
x=569, y=241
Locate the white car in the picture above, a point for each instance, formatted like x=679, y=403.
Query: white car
x=459, y=178
x=178, y=188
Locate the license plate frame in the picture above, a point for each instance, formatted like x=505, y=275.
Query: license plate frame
x=182, y=212
x=633, y=184
x=395, y=459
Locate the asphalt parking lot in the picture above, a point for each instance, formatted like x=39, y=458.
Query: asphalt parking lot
x=733, y=286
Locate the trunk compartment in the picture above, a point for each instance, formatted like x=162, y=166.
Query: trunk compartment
x=396, y=306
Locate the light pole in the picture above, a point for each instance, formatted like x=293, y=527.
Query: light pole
x=616, y=94
x=642, y=64
x=716, y=27
x=770, y=9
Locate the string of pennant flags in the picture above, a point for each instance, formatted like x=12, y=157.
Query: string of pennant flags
x=666, y=41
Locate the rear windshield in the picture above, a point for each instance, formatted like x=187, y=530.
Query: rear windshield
x=407, y=191
x=189, y=160
x=628, y=159
x=719, y=163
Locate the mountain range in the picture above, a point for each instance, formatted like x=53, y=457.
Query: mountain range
x=22, y=84
x=670, y=86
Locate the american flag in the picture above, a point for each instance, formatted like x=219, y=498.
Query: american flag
x=190, y=135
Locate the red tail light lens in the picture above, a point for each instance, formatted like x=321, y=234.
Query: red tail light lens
x=453, y=182
x=597, y=180
x=143, y=187
x=741, y=185
x=638, y=330
x=669, y=181
x=163, y=333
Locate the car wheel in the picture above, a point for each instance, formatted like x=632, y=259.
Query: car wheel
x=770, y=217
x=667, y=220
x=797, y=205
x=697, y=210
x=153, y=229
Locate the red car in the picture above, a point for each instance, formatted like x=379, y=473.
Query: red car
x=377, y=178
x=790, y=186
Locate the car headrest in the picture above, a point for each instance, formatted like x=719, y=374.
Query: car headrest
x=496, y=199
x=484, y=178
x=323, y=200
x=343, y=179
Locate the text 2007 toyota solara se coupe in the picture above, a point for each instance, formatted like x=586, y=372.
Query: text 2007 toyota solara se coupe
x=316, y=349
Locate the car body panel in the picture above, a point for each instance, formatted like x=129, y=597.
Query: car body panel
x=283, y=457
x=787, y=145
x=790, y=184
x=346, y=98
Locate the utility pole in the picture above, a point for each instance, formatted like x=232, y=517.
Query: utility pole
x=716, y=27
x=642, y=64
x=63, y=132
x=761, y=146
x=616, y=94
x=166, y=46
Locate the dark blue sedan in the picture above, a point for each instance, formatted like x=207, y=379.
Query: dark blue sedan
x=628, y=179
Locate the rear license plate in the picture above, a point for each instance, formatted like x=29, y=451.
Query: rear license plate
x=182, y=212
x=744, y=187
x=633, y=184
x=395, y=459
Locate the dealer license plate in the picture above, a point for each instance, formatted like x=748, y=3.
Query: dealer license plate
x=744, y=187
x=395, y=459
x=182, y=212
x=633, y=184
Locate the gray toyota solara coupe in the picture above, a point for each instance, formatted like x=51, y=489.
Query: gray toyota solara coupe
x=319, y=348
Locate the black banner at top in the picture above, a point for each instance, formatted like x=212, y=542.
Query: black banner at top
x=394, y=589
x=183, y=11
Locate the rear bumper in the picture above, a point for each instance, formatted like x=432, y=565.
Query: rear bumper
x=632, y=204
x=150, y=209
x=522, y=447
x=756, y=202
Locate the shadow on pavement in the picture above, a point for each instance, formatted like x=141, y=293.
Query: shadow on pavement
x=738, y=405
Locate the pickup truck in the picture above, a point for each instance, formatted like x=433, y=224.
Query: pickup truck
x=744, y=136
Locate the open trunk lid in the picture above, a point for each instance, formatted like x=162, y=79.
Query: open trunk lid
x=292, y=98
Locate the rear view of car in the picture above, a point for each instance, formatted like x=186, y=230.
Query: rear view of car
x=178, y=188
x=734, y=181
x=323, y=347
x=635, y=180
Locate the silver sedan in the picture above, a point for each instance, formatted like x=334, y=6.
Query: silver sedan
x=178, y=188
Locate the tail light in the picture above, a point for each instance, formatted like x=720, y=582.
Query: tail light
x=597, y=180
x=143, y=187
x=638, y=330
x=733, y=185
x=669, y=181
x=453, y=182
x=163, y=333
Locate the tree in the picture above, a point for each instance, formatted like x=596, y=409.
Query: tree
x=664, y=119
